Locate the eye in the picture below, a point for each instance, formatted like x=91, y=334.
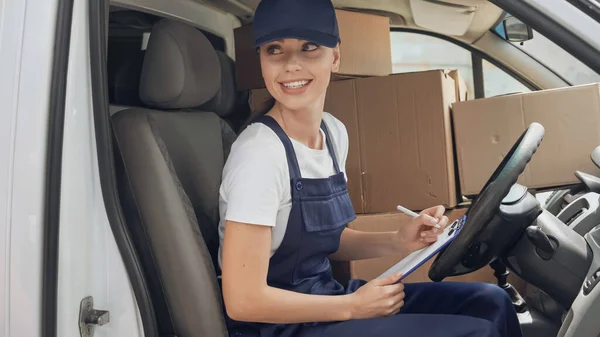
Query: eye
x=309, y=46
x=273, y=49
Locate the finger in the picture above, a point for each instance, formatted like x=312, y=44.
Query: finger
x=394, y=289
x=395, y=312
x=398, y=304
x=437, y=211
x=428, y=239
x=388, y=280
x=398, y=307
x=444, y=221
x=430, y=233
x=399, y=296
x=394, y=305
x=442, y=225
x=427, y=220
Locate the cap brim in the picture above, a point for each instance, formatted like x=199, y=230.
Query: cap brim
x=320, y=38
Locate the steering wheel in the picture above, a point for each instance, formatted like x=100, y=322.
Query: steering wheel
x=475, y=235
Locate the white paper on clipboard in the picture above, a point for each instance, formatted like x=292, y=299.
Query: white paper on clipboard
x=413, y=261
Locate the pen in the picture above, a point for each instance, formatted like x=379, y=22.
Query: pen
x=412, y=214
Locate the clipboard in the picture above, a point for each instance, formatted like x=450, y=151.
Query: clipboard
x=416, y=259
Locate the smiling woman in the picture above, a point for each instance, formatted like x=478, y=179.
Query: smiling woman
x=284, y=207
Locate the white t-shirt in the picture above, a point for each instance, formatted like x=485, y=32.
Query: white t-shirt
x=256, y=182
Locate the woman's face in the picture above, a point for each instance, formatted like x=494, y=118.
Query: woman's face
x=297, y=72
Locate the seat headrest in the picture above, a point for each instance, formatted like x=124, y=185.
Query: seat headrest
x=228, y=99
x=181, y=68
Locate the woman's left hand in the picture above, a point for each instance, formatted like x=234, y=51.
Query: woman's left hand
x=421, y=232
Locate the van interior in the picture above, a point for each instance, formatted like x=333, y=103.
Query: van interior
x=176, y=107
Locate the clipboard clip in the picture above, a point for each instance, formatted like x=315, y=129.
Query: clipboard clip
x=457, y=225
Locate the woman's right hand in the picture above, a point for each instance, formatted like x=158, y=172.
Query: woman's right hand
x=377, y=298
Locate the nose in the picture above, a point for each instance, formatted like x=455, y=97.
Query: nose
x=293, y=63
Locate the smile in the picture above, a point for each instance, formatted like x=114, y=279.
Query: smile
x=295, y=84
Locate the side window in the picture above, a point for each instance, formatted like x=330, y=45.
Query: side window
x=418, y=52
x=497, y=82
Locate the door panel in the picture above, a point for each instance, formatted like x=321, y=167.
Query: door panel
x=89, y=261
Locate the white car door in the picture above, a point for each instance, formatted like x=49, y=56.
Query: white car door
x=56, y=245
x=90, y=264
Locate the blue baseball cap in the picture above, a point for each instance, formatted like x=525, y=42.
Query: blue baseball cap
x=310, y=20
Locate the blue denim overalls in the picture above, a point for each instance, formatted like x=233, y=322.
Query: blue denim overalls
x=321, y=208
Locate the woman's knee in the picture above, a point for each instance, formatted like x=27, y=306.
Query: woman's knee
x=493, y=295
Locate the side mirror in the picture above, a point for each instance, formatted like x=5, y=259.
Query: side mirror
x=516, y=31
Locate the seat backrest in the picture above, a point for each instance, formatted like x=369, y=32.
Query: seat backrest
x=173, y=161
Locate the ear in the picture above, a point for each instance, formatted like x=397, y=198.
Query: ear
x=335, y=66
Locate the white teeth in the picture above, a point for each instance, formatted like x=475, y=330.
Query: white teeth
x=296, y=84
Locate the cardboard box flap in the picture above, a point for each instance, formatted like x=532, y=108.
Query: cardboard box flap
x=462, y=91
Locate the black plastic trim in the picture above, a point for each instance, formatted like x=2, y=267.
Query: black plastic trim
x=54, y=149
x=532, y=86
x=542, y=23
x=587, y=7
x=98, y=20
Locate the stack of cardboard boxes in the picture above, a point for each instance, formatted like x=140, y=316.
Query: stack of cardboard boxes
x=417, y=140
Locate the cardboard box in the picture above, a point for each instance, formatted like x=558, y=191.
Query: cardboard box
x=388, y=222
x=401, y=149
x=400, y=138
x=462, y=91
x=486, y=129
x=365, y=49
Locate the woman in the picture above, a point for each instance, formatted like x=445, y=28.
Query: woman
x=284, y=209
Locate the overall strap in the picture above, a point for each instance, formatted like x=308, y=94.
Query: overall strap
x=287, y=144
x=330, y=147
x=289, y=148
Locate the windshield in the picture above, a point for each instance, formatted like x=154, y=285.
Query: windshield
x=558, y=60
x=575, y=17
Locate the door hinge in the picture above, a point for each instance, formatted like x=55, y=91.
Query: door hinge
x=89, y=317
